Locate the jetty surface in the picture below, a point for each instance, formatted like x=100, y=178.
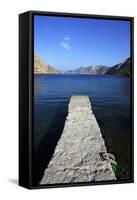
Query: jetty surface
x=77, y=154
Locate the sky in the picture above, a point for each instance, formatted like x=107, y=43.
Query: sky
x=68, y=43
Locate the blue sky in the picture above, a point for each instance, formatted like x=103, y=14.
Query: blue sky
x=67, y=43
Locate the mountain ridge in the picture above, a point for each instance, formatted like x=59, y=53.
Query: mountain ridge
x=120, y=69
x=40, y=67
x=98, y=69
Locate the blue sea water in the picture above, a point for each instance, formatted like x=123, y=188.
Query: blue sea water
x=110, y=100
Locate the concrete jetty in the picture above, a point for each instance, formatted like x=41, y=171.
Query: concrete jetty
x=77, y=155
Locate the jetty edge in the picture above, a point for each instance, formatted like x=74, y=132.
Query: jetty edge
x=77, y=154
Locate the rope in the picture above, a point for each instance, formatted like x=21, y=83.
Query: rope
x=109, y=157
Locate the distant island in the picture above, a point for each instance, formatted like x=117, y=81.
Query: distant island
x=120, y=69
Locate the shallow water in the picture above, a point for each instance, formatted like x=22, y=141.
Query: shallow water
x=110, y=100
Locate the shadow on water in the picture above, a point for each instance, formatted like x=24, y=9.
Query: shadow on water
x=48, y=142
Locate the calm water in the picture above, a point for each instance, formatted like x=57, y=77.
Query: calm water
x=110, y=99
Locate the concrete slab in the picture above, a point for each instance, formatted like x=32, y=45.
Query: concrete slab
x=77, y=154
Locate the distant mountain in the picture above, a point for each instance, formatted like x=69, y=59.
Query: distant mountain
x=98, y=69
x=121, y=69
x=40, y=67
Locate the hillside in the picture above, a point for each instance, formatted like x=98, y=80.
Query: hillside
x=121, y=69
x=98, y=69
x=40, y=67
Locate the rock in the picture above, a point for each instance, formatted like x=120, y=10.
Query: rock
x=40, y=67
x=77, y=154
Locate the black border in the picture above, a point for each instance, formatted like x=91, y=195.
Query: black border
x=31, y=92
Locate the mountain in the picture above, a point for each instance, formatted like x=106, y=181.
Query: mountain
x=98, y=69
x=40, y=67
x=121, y=69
